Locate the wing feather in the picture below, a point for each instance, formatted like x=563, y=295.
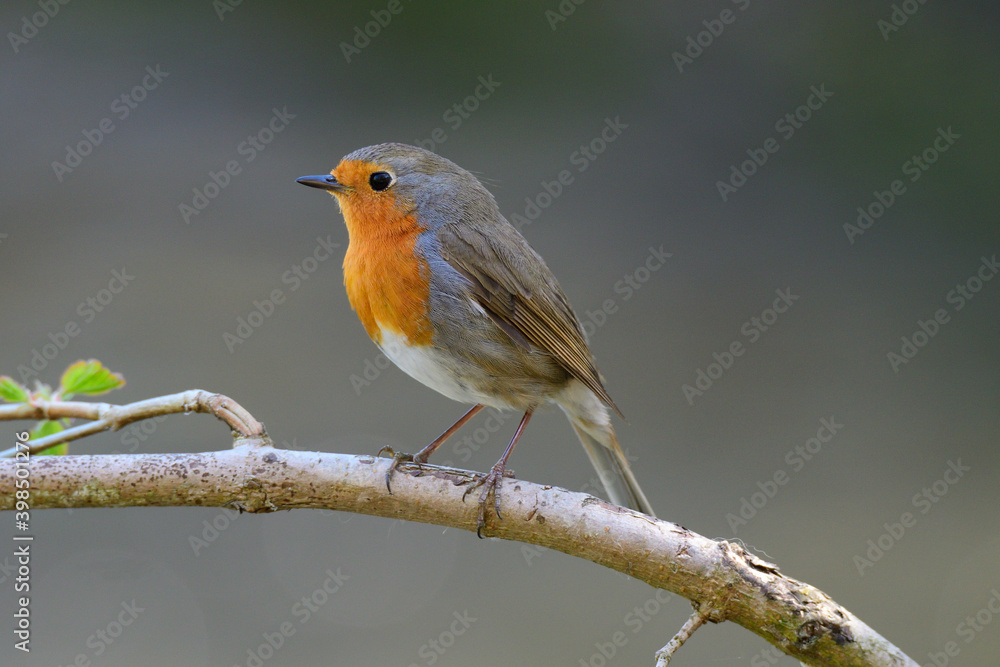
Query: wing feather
x=501, y=266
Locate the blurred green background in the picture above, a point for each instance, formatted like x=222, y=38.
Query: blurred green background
x=421, y=595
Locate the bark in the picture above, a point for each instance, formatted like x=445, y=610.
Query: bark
x=723, y=580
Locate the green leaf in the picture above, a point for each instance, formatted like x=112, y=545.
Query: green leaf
x=12, y=391
x=48, y=427
x=89, y=377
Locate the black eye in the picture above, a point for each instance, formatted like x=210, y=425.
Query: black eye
x=380, y=180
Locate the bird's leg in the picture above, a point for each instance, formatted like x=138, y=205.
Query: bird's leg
x=424, y=454
x=491, y=481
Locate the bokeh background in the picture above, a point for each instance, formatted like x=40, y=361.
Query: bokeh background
x=414, y=594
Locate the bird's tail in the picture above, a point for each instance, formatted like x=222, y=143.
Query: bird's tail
x=612, y=467
x=592, y=423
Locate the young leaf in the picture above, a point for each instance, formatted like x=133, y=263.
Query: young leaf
x=89, y=377
x=12, y=391
x=48, y=427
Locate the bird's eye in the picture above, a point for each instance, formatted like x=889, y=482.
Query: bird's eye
x=380, y=180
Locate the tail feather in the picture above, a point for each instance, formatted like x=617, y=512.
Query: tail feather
x=613, y=469
x=590, y=419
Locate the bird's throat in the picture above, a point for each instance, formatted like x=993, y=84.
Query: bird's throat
x=387, y=280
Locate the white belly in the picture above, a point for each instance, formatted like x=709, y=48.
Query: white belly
x=433, y=368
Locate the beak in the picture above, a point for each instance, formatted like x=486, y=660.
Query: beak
x=324, y=182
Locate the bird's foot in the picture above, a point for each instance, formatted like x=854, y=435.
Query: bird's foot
x=397, y=458
x=490, y=482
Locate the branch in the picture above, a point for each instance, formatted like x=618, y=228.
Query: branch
x=725, y=581
x=696, y=620
x=113, y=417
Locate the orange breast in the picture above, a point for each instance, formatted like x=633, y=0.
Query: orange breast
x=387, y=284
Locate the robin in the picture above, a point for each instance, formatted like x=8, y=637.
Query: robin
x=454, y=295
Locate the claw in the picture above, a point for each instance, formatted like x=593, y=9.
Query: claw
x=397, y=458
x=496, y=499
x=422, y=456
x=490, y=482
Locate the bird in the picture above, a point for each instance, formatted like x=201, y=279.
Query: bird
x=455, y=296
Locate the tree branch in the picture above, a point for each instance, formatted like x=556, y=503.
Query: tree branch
x=696, y=620
x=113, y=417
x=726, y=582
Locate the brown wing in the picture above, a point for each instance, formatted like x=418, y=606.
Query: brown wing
x=501, y=266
